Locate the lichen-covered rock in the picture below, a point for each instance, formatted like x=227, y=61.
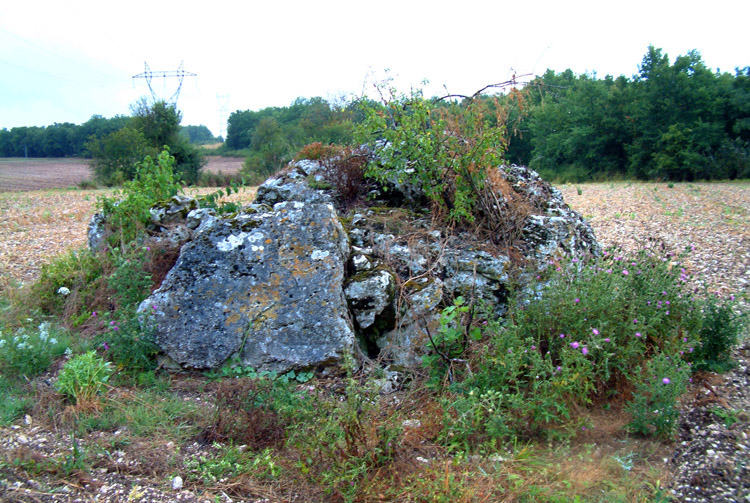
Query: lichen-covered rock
x=282, y=285
x=97, y=232
x=553, y=229
x=265, y=288
x=173, y=210
x=418, y=307
x=477, y=274
x=293, y=186
x=369, y=294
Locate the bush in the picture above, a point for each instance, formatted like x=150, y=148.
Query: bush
x=127, y=212
x=720, y=330
x=30, y=352
x=115, y=157
x=581, y=333
x=83, y=377
x=251, y=411
x=446, y=150
x=654, y=405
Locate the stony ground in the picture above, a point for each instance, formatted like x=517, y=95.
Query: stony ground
x=711, y=459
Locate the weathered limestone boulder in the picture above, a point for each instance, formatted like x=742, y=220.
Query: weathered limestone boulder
x=369, y=293
x=294, y=186
x=263, y=287
x=405, y=343
x=289, y=283
x=554, y=229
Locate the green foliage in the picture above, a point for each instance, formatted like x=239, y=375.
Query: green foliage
x=13, y=401
x=727, y=416
x=214, y=199
x=144, y=414
x=116, y=155
x=57, y=140
x=197, y=134
x=229, y=462
x=127, y=211
x=150, y=129
x=654, y=405
x=83, y=377
x=451, y=340
x=270, y=137
x=128, y=279
x=720, y=330
x=443, y=149
x=28, y=352
x=78, y=271
x=129, y=342
x=673, y=121
x=583, y=332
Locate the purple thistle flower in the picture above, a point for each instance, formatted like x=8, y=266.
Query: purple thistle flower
x=574, y=345
x=637, y=334
x=577, y=300
x=585, y=350
x=625, y=272
x=595, y=331
x=562, y=336
x=666, y=380
x=606, y=339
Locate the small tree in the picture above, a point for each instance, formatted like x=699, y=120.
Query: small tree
x=449, y=149
x=115, y=156
x=150, y=129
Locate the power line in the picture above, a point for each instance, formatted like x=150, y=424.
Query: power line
x=57, y=77
x=59, y=56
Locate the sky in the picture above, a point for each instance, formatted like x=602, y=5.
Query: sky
x=66, y=61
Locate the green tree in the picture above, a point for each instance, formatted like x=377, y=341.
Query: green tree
x=159, y=122
x=115, y=157
x=197, y=134
x=150, y=129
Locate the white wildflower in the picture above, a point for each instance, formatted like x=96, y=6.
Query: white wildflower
x=2, y=343
x=63, y=290
x=53, y=341
x=44, y=331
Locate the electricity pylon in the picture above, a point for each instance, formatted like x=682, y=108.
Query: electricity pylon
x=180, y=73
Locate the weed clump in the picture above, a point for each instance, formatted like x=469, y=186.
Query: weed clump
x=248, y=412
x=615, y=331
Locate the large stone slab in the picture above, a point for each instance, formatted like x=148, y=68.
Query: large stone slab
x=262, y=287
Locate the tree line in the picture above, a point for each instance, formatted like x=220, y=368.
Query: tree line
x=269, y=138
x=672, y=121
x=69, y=140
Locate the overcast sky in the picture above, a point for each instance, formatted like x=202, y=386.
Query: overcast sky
x=64, y=61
